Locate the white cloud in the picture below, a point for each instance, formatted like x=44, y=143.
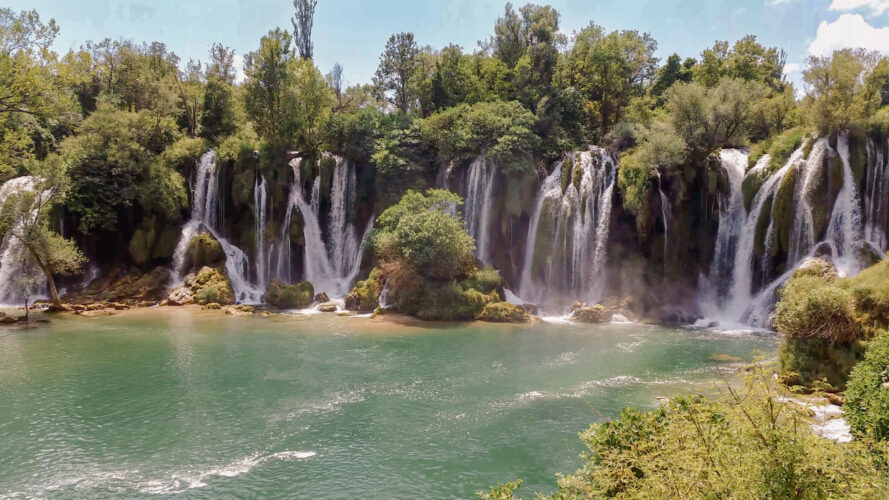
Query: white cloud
x=877, y=7
x=849, y=31
x=792, y=68
x=777, y=2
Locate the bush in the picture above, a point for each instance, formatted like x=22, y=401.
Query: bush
x=778, y=147
x=485, y=280
x=751, y=444
x=504, y=312
x=810, y=307
x=867, y=394
x=211, y=285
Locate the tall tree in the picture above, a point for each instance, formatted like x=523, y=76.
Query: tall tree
x=398, y=65
x=302, y=26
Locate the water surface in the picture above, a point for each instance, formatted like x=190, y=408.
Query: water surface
x=201, y=405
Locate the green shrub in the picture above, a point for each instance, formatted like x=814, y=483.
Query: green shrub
x=810, y=307
x=211, y=285
x=209, y=295
x=778, y=147
x=633, y=181
x=751, y=444
x=867, y=394
x=485, y=280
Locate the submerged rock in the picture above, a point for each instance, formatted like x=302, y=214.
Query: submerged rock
x=592, y=314
x=284, y=296
x=504, y=312
x=239, y=310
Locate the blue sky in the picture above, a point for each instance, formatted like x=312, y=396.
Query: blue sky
x=353, y=32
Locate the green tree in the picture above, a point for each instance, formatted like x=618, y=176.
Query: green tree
x=836, y=89
x=24, y=216
x=608, y=69
x=302, y=26
x=395, y=75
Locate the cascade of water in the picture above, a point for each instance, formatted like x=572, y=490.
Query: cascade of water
x=333, y=267
x=666, y=211
x=260, y=212
x=876, y=195
x=442, y=179
x=204, y=218
x=479, y=188
x=732, y=215
x=844, y=229
x=12, y=253
x=574, y=264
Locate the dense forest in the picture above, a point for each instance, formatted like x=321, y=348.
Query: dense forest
x=115, y=132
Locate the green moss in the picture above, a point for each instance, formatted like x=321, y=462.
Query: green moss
x=290, y=296
x=567, y=169
x=204, y=250
x=783, y=211
x=858, y=156
x=633, y=180
x=142, y=241
x=211, y=285
x=762, y=227
x=779, y=148
x=484, y=280
x=577, y=176
x=816, y=197
x=750, y=186
x=365, y=296
x=503, y=312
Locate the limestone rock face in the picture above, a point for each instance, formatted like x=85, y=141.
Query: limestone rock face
x=592, y=314
x=284, y=296
x=504, y=312
x=365, y=297
x=180, y=296
x=204, y=251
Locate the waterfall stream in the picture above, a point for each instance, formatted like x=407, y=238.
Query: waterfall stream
x=567, y=239
x=260, y=210
x=13, y=286
x=331, y=267
x=666, y=212
x=477, y=206
x=204, y=219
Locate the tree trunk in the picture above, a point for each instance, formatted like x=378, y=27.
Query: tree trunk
x=50, y=282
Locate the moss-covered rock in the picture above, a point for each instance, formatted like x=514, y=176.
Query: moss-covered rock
x=592, y=314
x=504, y=312
x=365, y=296
x=212, y=285
x=284, y=296
x=204, y=251
x=762, y=227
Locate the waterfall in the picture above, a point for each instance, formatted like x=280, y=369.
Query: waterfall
x=260, y=212
x=333, y=266
x=443, y=177
x=733, y=292
x=568, y=234
x=666, y=211
x=844, y=229
x=204, y=219
x=479, y=188
x=13, y=273
x=876, y=195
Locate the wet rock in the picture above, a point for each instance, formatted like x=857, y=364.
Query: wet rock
x=504, y=312
x=365, y=297
x=322, y=298
x=592, y=314
x=239, y=310
x=817, y=267
x=212, y=285
x=284, y=296
x=212, y=306
x=532, y=309
x=180, y=296
x=327, y=307
x=5, y=319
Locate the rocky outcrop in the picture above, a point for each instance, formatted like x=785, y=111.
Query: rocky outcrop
x=365, y=297
x=284, y=296
x=207, y=286
x=130, y=287
x=239, y=310
x=504, y=312
x=591, y=314
x=205, y=251
x=328, y=307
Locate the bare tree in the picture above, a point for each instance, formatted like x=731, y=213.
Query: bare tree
x=302, y=26
x=335, y=79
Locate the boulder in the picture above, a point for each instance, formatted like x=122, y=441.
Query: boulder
x=365, y=297
x=212, y=306
x=239, y=310
x=322, y=298
x=592, y=314
x=284, y=296
x=180, y=296
x=205, y=251
x=817, y=267
x=328, y=307
x=504, y=312
x=211, y=285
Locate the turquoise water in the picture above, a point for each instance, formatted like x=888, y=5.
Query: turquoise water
x=198, y=405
